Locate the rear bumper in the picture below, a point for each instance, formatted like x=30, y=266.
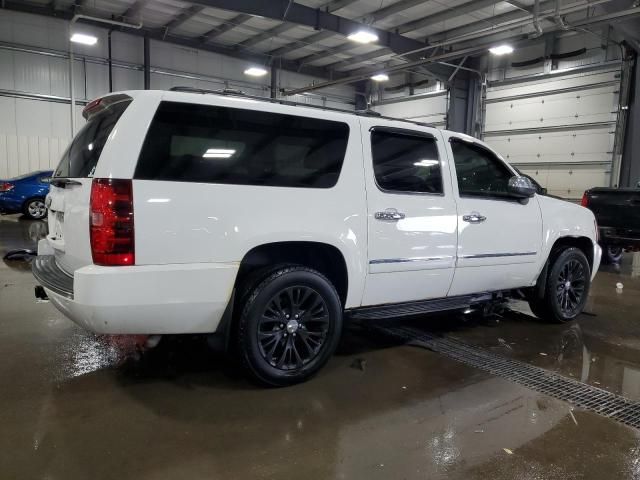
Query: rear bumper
x=141, y=299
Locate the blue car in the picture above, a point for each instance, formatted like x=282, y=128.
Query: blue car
x=25, y=194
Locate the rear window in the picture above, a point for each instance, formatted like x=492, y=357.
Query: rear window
x=81, y=156
x=208, y=144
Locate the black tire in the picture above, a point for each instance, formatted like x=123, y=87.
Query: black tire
x=611, y=254
x=274, y=346
x=566, y=287
x=35, y=209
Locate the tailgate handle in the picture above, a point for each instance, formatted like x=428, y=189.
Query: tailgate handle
x=63, y=182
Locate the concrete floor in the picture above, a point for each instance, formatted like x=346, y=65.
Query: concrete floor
x=75, y=406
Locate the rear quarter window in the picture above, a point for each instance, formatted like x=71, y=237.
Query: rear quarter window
x=210, y=144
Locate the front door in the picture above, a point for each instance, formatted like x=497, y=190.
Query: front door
x=411, y=215
x=499, y=237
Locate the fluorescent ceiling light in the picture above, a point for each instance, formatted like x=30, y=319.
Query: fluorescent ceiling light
x=426, y=163
x=84, y=39
x=218, y=153
x=380, y=77
x=363, y=36
x=255, y=71
x=501, y=49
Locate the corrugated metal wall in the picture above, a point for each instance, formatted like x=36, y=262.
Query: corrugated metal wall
x=35, y=124
x=557, y=124
x=427, y=104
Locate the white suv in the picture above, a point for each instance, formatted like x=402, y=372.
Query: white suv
x=189, y=212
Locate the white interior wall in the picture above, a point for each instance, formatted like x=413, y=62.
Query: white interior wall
x=558, y=128
x=33, y=133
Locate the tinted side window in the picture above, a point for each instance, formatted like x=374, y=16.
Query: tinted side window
x=405, y=162
x=200, y=143
x=81, y=156
x=479, y=172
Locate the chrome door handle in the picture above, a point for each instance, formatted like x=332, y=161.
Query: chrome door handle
x=474, y=217
x=389, y=215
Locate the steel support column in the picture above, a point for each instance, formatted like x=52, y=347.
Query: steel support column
x=147, y=64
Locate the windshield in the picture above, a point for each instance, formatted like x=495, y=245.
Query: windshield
x=81, y=156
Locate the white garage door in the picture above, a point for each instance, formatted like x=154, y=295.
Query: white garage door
x=428, y=108
x=558, y=129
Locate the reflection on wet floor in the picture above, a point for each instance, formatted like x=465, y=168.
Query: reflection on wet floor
x=74, y=405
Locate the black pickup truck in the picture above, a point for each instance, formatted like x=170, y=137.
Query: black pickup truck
x=617, y=212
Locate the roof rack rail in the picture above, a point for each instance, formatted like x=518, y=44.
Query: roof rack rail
x=239, y=93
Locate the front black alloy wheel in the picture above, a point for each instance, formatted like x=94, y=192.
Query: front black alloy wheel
x=566, y=287
x=570, y=285
x=289, y=326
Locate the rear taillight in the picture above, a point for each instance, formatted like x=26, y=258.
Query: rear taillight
x=111, y=222
x=6, y=186
x=585, y=200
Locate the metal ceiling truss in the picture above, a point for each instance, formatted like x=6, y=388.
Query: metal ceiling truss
x=466, y=8
x=163, y=35
x=183, y=16
x=225, y=27
x=471, y=49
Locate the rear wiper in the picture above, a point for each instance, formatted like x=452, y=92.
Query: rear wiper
x=63, y=182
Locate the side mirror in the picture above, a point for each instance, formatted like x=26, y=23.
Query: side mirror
x=521, y=187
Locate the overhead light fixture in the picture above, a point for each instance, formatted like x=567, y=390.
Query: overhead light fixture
x=501, y=49
x=84, y=39
x=218, y=153
x=380, y=77
x=363, y=36
x=255, y=71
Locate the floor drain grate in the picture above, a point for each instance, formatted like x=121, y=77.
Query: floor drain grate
x=544, y=381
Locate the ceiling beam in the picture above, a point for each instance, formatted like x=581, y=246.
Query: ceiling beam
x=345, y=47
x=286, y=26
x=392, y=9
x=134, y=10
x=289, y=11
x=464, y=9
x=471, y=48
x=158, y=34
x=225, y=27
x=184, y=15
x=444, y=15
x=261, y=37
x=302, y=43
x=316, y=37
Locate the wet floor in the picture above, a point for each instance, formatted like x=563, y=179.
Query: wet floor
x=73, y=405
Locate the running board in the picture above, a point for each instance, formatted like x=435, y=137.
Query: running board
x=391, y=310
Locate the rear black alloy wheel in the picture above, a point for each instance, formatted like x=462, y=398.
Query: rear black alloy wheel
x=290, y=325
x=293, y=327
x=570, y=285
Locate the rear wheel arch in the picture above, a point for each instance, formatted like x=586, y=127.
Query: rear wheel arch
x=323, y=257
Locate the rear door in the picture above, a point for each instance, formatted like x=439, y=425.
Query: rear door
x=411, y=214
x=70, y=191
